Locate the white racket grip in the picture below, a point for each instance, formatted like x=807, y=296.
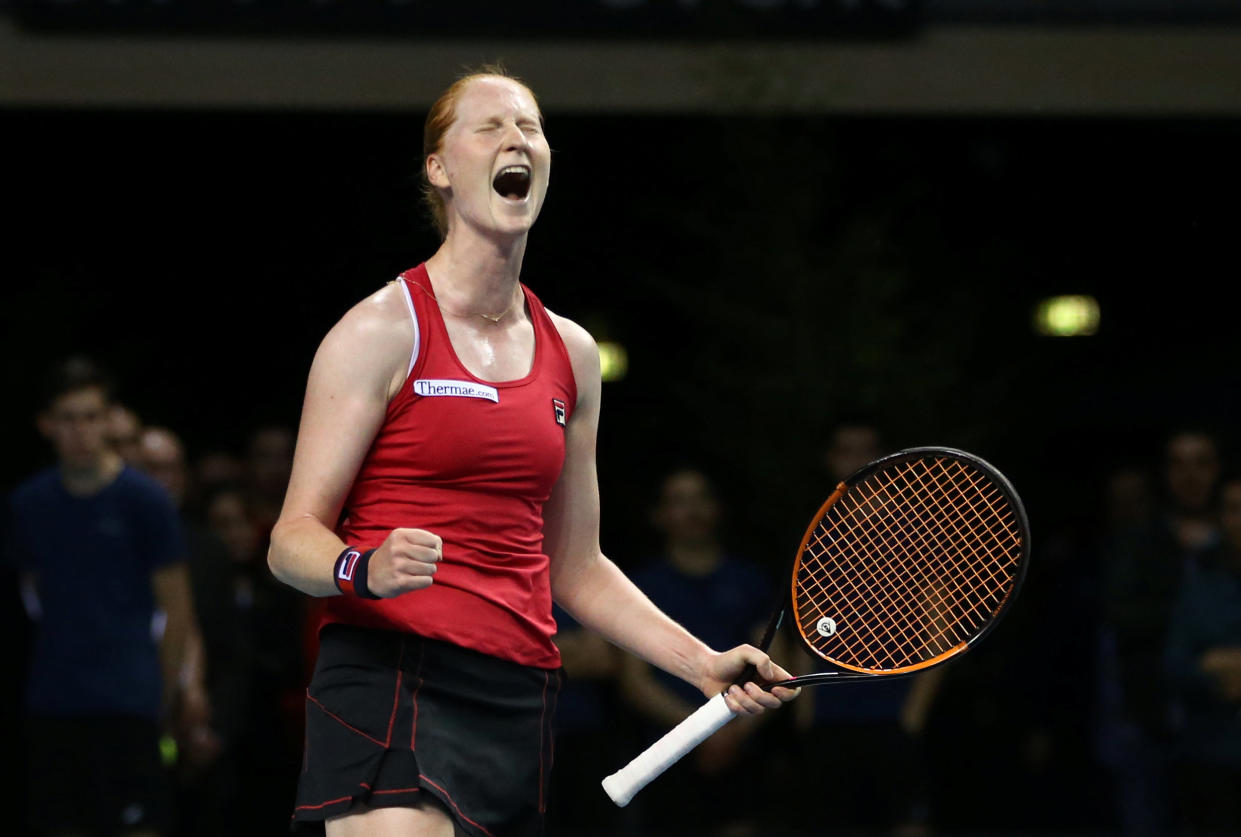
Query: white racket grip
x=667, y=751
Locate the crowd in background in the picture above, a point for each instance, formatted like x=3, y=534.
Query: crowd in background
x=1111, y=704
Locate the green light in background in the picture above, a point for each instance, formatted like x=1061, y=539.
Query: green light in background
x=168, y=750
x=613, y=361
x=1067, y=316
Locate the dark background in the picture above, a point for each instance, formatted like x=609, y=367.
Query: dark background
x=769, y=275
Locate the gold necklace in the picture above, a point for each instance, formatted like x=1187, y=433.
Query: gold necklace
x=491, y=318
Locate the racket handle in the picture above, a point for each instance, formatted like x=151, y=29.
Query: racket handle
x=667, y=751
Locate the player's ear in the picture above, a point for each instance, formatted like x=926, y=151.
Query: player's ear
x=437, y=175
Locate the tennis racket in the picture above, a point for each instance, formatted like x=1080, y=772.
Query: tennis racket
x=911, y=561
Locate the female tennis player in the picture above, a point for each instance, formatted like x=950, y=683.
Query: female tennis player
x=443, y=492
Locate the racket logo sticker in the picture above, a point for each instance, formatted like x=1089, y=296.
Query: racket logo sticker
x=826, y=626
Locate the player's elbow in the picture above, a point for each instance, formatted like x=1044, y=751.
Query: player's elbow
x=273, y=564
x=576, y=580
x=278, y=551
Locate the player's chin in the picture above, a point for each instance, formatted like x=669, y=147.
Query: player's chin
x=516, y=216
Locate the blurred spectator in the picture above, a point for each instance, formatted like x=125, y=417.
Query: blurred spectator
x=1130, y=497
x=161, y=454
x=1193, y=471
x=874, y=728
x=588, y=734
x=1143, y=565
x=124, y=430
x=725, y=600
x=268, y=464
x=101, y=553
x=257, y=623
x=207, y=771
x=233, y=770
x=266, y=467
x=1203, y=658
x=16, y=627
x=851, y=444
x=213, y=469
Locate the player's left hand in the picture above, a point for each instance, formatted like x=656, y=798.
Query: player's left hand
x=722, y=668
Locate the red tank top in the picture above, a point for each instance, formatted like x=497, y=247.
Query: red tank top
x=472, y=461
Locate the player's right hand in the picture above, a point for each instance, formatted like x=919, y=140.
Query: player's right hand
x=405, y=561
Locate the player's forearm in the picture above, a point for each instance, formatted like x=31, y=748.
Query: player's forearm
x=602, y=598
x=302, y=554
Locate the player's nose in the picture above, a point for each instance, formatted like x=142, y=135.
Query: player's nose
x=515, y=138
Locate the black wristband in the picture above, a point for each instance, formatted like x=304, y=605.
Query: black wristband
x=350, y=573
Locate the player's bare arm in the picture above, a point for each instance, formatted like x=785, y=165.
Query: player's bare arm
x=358, y=367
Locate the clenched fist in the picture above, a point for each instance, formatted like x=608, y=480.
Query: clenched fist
x=405, y=561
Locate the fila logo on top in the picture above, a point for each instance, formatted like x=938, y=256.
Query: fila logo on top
x=558, y=409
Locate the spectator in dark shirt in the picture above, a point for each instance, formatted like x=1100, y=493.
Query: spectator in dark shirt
x=1143, y=565
x=1203, y=658
x=207, y=770
x=100, y=549
x=724, y=599
x=590, y=742
x=875, y=727
x=260, y=625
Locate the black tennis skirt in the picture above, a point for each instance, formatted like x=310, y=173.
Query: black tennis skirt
x=392, y=717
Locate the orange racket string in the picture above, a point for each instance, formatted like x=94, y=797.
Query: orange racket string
x=888, y=584
x=923, y=556
x=857, y=588
x=860, y=589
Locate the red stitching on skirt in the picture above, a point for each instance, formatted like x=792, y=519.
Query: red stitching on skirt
x=453, y=804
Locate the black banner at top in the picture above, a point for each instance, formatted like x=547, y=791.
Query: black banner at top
x=526, y=19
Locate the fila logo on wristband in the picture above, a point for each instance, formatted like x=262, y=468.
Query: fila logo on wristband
x=348, y=565
x=350, y=571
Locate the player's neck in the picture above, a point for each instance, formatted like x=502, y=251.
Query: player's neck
x=475, y=272
x=87, y=479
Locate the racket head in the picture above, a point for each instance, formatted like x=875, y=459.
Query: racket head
x=912, y=560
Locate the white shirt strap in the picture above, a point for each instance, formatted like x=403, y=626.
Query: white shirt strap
x=409, y=302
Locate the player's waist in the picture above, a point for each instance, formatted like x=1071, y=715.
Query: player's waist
x=509, y=630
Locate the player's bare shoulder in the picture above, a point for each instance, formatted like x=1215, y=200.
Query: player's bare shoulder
x=583, y=351
x=576, y=339
x=373, y=341
x=584, y=357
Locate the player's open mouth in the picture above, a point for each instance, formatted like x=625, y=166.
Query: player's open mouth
x=513, y=182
